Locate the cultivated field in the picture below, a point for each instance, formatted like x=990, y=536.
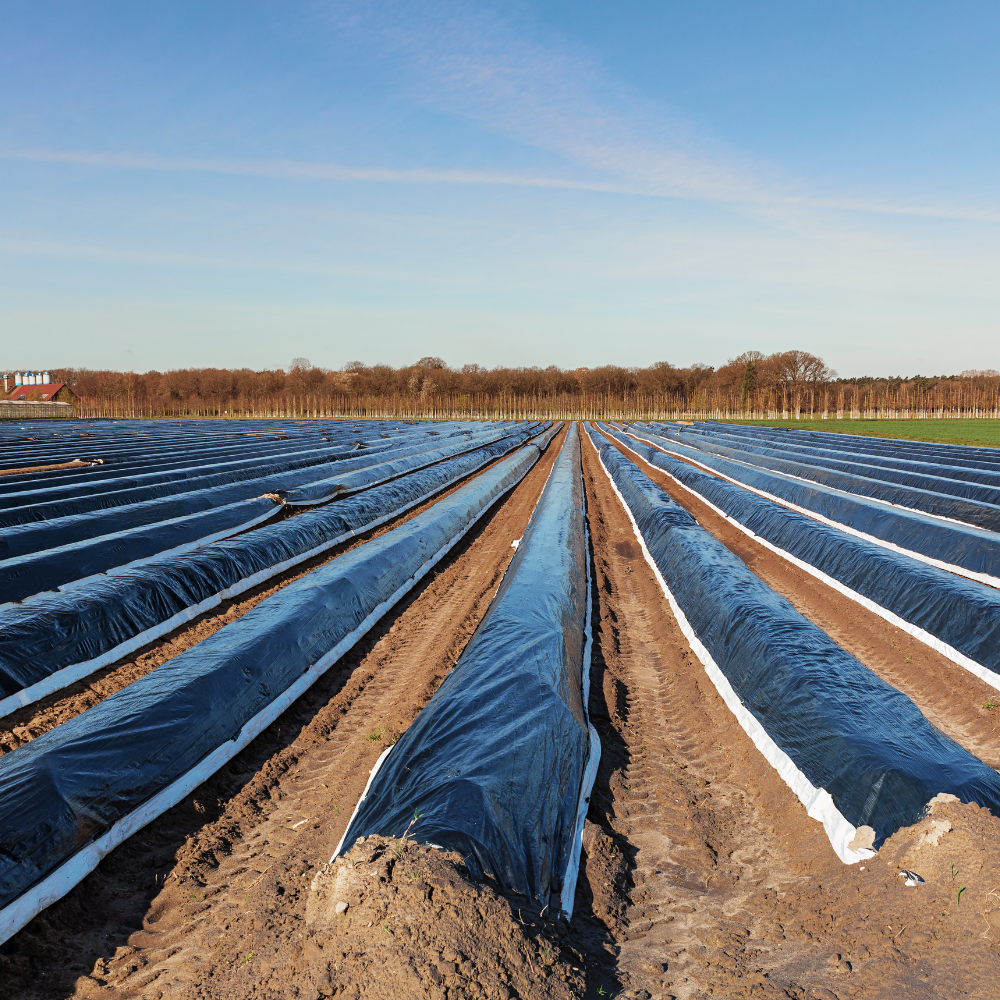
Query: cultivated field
x=497, y=709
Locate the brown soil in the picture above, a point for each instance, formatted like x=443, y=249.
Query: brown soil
x=415, y=926
x=949, y=696
x=705, y=867
x=75, y=464
x=702, y=875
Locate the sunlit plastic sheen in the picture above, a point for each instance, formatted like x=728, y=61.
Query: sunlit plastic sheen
x=938, y=496
x=500, y=763
x=54, y=639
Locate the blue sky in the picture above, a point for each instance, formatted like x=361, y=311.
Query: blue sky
x=571, y=183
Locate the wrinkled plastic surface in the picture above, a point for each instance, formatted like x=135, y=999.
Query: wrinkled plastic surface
x=319, y=462
x=50, y=500
x=26, y=538
x=964, y=614
x=983, y=515
x=50, y=632
x=160, y=455
x=847, y=730
x=70, y=784
x=57, y=566
x=116, y=442
x=392, y=464
x=938, y=471
x=973, y=549
x=494, y=762
x=50, y=569
x=971, y=456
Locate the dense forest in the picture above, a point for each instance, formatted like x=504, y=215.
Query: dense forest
x=787, y=383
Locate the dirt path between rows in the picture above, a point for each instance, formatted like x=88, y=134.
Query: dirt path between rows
x=707, y=870
x=949, y=696
x=208, y=900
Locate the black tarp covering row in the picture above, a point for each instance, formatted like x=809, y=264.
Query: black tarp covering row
x=77, y=497
x=394, y=463
x=116, y=441
x=976, y=550
x=72, y=783
x=50, y=569
x=43, y=438
x=844, y=457
x=952, y=454
x=927, y=501
x=845, y=730
x=118, y=493
x=97, y=621
x=494, y=764
x=959, y=612
x=808, y=460
x=27, y=538
x=153, y=463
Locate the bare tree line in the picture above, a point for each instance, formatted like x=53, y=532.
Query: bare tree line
x=790, y=384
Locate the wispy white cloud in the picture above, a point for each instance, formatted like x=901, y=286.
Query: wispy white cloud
x=292, y=170
x=295, y=170
x=502, y=71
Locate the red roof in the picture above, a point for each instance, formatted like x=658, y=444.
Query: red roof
x=45, y=391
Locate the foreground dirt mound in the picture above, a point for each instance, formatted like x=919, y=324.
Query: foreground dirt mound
x=393, y=919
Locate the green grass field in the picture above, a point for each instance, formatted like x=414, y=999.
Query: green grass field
x=985, y=433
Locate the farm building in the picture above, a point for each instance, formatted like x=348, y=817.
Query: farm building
x=36, y=387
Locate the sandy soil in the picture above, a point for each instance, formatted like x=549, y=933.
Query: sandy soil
x=76, y=463
x=702, y=874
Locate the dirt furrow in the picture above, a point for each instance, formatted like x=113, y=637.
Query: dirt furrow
x=706, y=869
x=951, y=698
x=209, y=900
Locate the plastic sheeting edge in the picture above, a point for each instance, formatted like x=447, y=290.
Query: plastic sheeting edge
x=921, y=635
x=376, y=767
x=57, y=883
x=589, y=776
x=177, y=550
x=593, y=759
x=818, y=802
x=816, y=482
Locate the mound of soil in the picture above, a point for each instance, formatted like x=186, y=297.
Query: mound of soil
x=394, y=919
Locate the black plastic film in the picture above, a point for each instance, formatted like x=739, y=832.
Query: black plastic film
x=493, y=764
x=897, y=467
x=962, y=545
x=916, y=498
x=26, y=538
x=959, y=612
x=99, y=619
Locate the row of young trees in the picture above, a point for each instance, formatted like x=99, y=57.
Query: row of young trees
x=787, y=383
